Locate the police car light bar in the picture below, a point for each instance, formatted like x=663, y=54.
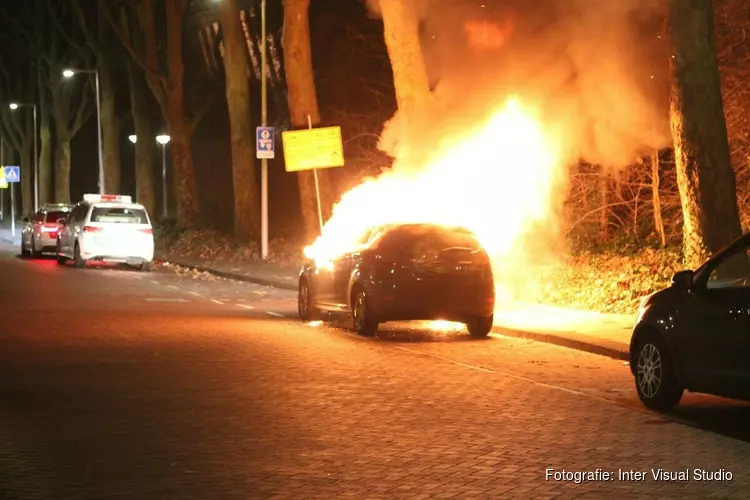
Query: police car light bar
x=99, y=198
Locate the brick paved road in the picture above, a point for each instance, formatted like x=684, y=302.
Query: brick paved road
x=116, y=384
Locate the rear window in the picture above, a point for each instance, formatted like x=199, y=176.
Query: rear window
x=117, y=215
x=53, y=216
x=434, y=239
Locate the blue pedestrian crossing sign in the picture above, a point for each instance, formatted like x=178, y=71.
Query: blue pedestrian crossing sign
x=12, y=174
x=265, y=146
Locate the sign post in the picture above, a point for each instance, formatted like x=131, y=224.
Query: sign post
x=312, y=149
x=12, y=177
x=2, y=182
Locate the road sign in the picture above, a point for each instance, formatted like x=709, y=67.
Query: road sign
x=313, y=148
x=264, y=143
x=12, y=174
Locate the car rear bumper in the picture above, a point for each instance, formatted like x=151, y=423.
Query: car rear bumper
x=123, y=255
x=432, y=303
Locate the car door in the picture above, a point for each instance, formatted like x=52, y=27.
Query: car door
x=341, y=275
x=717, y=340
x=66, y=235
x=35, y=228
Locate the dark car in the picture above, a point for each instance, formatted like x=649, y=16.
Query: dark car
x=695, y=335
x=402, y=273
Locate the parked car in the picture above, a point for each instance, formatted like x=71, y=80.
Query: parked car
x=39, y=233
x=695, y=334
x=401, y=273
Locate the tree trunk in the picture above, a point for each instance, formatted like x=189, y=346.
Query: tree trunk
x=705, y=176
x=185, y=188
x=62, y=170
x=603, y=204
x=656, y=199
x=46, y=188
x=401, y=31
x=27, y=173
x=303, y=101
x=110, y=128
x=145, y=146
x=246, y=203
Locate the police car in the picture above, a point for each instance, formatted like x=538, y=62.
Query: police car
x=106, y=228
x=39, y=233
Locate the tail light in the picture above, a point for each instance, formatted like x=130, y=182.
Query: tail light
x=92, y=229
x=147, y=231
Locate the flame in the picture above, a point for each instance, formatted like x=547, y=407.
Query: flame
x=496, y=180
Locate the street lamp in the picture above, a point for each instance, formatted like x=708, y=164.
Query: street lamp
x=70, y=73
x=14, y=106
x=133, y=138
x=163, y=140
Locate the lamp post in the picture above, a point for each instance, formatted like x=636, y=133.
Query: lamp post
x=70, y=73
x=14, y=106
x=163, y=140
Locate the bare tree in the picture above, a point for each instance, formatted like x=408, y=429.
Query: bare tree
x=161, y=60
x=705, y=176
x=303, y=103
x=236, y=68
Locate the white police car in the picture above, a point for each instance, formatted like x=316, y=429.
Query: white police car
x=106, y=228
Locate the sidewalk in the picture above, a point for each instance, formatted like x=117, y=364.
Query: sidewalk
x=597, y=333
x=5, y=234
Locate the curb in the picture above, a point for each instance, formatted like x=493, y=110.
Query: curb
x=234, y=276
x=563, y=341
x=547, y=338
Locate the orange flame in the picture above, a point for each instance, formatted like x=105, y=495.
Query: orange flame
x=497, y=181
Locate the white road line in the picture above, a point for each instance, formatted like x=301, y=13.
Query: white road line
x=278, y=315
x=245, y=306
x=154, y=282
x=217, y=301
x=172, y=286
x=158, y=299
x=196, y=294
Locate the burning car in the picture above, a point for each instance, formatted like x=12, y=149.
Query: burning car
x=404, y=272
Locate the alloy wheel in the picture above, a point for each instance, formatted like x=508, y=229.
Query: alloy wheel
x=649, y=370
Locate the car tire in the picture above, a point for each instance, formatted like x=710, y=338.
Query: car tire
x=364, y=321
x=147, y=266
x=24, y=252
x=305, y=304
x=480, y=327
x=80, y=263
x=655, y=377
x=34, y=252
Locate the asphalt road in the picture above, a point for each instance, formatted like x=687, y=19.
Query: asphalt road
x=171, y=385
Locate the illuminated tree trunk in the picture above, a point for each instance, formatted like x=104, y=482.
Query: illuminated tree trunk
x=46, y=171
x=705, y=176
x=110, y=127
x=401, y=30
x=145, y=146
x=27, y=169
x=246, y=204
x=656, y=199
x=62, y=170
x=303, y=101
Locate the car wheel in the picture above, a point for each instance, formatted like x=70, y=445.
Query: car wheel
x=655, y=376
x=363, y=319
x=79, y=262
x=480, y=327
x=34, y=252
x=147, y=266
x=305, y=305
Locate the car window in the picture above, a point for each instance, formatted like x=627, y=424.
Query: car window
x=118, y=215
x=78, y=213
x=426, y=240
x=53, y=216
x=732, y=272
x=37, y=217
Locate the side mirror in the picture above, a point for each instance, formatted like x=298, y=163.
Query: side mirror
x=61, y=221
x=25, y=219
x=683, y=280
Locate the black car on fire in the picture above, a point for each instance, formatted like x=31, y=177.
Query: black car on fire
x=401, y=273
x=695, y=335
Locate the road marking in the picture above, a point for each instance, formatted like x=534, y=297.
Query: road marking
x=245, y=306
x=278, y=315
x=217, y=301
x=154, y=282
x=157, y=299
x=196, y=294
x=172, y=286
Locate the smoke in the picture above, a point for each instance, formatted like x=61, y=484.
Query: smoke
x=598, y=69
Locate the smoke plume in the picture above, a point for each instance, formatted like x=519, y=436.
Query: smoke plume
x=597, y=68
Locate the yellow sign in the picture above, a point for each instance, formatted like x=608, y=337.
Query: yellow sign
x=3, y=182
x=313, y=148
